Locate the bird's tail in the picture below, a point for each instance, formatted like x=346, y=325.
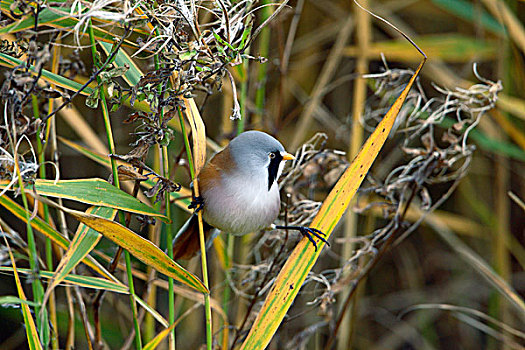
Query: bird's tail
x=186, y=242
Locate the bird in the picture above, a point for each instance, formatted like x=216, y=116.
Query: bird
x=239, y=193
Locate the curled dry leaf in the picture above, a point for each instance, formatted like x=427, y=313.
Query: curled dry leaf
x=198, y=134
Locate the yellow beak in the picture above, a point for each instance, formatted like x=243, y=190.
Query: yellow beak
x=287, y=156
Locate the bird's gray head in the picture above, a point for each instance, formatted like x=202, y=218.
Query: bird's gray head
x=259, y=154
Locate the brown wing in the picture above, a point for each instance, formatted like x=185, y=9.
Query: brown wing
x=186, y=244
x=221, y=164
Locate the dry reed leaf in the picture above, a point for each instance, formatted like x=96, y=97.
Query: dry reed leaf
x=198, y=134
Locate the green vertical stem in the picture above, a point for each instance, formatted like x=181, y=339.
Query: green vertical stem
x=204, y=263
x=148, y=325
x=262, y=72
x=50, y=141
x=226, y=294
x=48, y=247
x=111, y=144
x=169, y=245
x=242, y=98
x=38, y=289
x=230, y=240
x=42, y=172
x=169, y=233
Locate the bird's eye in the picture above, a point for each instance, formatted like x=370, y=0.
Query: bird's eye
x=272, y=155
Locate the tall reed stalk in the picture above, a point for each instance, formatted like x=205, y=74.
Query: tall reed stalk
x=204, y=263
x=116, y=182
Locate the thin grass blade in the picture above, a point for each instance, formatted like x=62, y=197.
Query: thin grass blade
x=480, y=266
x=160, y=337
x=12, y=300
x=152, y=311
x=58, y=80
x=58, y=18
x=448, y=47
x=32, y=333
x=78, y=280
x=82, y=244
x=45, y=17
x=96, y=192
x=154, y=343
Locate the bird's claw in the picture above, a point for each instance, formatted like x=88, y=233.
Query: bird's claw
x=197, y=203
x=308, y=232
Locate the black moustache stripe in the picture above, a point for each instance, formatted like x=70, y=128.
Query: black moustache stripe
x=273, y=168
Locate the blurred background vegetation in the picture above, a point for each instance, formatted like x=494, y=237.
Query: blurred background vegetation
x=455, y=282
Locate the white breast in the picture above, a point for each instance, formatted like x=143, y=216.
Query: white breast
x=241, y=204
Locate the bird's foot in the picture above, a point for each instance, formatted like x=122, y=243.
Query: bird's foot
x=307, y=232
x=197, y=203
